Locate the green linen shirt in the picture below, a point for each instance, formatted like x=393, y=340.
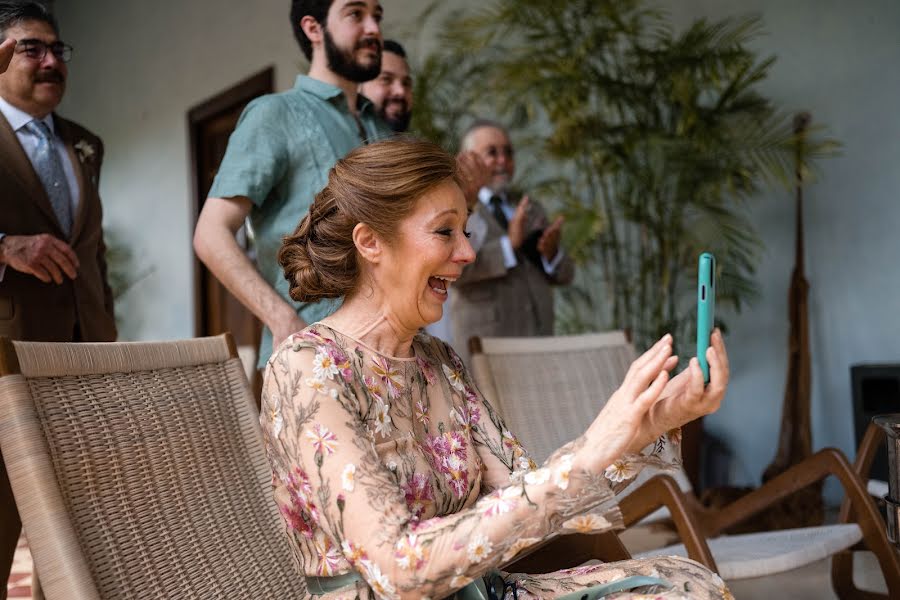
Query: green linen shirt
x=279, y=157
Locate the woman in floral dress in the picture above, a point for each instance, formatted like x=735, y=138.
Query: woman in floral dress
x=394, y=476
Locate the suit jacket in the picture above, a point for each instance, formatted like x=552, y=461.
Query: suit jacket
x=37, y=311
x=491, y=300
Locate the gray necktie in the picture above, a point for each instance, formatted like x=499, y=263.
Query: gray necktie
x=50, y=171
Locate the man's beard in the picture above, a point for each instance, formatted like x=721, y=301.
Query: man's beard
x=399, y=122
x=341, y=62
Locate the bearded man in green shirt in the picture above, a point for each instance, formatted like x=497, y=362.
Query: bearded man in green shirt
x=279, y=156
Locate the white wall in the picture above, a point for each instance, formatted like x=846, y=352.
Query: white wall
x=140, y=66
x=837, y=60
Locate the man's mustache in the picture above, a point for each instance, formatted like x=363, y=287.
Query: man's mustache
x=49, y=76
x=398, y=101
x=368, y=43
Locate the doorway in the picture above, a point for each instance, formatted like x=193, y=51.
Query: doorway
x=215, y=309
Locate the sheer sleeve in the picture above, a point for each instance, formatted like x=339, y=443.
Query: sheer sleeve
x=506, y=459
x=323, y=453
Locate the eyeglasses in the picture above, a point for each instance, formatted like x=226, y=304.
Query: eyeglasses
x=496, y=151
x=37, y=50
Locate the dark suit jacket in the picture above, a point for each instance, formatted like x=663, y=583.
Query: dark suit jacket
x=491, y=300
x=37, y=311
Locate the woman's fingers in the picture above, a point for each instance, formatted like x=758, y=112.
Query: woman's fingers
x=647, y=356
x=718, y=343
x=718, y=374
x=637, y=381
x=648, y=397
x=695, y=387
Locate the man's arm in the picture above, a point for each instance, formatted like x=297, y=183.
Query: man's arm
x=217, y=248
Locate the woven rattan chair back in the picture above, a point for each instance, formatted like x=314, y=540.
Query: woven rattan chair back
x=139, y=471
x=549, y=389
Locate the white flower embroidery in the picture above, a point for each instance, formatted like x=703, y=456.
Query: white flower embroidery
x=537, y=477
x=561, y=476
x=454, y=376
x=499, y=502
x=84, y=150
x=323, y=366
x=379, y=582
x=587, y=523
x=382, y=418
x=275, y=415
x=410, y=553
x=348, y=477
x=621, y=470
x=479, y=548
x=315, y=383
x=459, y=581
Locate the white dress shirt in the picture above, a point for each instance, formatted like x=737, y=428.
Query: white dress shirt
x=478, y=228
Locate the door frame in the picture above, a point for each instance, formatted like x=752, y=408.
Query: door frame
x=256, y=85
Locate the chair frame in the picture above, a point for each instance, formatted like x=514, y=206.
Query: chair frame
x=695, y=523
x=63, y=565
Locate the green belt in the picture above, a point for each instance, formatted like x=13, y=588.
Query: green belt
x=477, y=590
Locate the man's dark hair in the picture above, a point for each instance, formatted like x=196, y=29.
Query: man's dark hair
x=12, y=13
x=318, y=10
x=395, y=47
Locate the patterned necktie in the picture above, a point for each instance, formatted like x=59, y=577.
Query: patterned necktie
x=50, y=171
x=497, y=209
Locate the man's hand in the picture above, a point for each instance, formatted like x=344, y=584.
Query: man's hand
x=284, y=328
x=548, y=244
x=6, y=53
x=516, y=230
x=475, y=175
x=43, y=256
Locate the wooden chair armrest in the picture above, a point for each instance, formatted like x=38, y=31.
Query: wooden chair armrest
x=567, y=551
x=663, y=490
x=820, y=465
x=868, y=447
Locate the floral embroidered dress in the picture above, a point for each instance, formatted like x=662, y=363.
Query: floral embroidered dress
x=398, y=469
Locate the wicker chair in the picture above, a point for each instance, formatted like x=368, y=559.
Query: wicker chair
x=550, y=389
x=139, y=471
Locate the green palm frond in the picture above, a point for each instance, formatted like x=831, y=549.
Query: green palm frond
x=657, y=141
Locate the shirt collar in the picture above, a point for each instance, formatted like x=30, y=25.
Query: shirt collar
x=18, y=118
x=485, y=194
x=326, y=91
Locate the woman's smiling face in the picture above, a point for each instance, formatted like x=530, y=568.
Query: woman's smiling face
x=428, y=253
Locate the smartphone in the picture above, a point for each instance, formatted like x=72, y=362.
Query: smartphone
x=706, y=307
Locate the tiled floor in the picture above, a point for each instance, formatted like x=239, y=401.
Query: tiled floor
x=19, y=585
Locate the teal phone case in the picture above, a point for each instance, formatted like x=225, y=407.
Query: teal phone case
x=706, y=307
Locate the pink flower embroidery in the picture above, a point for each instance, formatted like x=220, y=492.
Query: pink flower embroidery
x=426, y=369
x=422, y=413
x=388, y=374
x=419, y=494
x=341, y=361
x=322, y=439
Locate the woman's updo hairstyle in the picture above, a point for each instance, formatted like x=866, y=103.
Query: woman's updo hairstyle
x=378, y=185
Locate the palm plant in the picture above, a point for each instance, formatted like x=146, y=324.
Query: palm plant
x=657, y=140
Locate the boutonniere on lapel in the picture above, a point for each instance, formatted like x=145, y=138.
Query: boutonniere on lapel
x=85, y=151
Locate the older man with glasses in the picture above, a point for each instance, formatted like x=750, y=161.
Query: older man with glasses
x=53, y=283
